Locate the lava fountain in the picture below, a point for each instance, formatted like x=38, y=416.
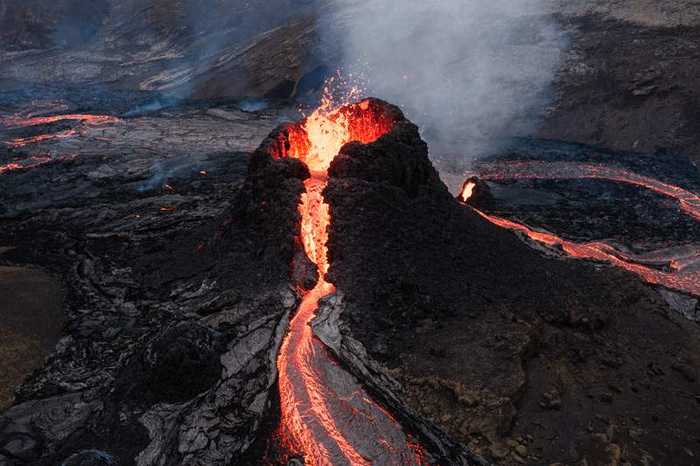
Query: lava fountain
x=325, y=413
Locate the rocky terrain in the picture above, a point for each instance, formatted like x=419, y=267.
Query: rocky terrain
x=627, y=79
x=156, y=293
x=174, y=268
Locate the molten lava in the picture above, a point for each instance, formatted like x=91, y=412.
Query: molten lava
x=326, y=414
x=686, y=280
x=28, y=163
x=512, y=170
x=467, y=191
x=682, y=267
x=20, y=122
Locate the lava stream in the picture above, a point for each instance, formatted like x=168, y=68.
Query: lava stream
x=20, y=122
x=683, y=272
x=31, y=162
x=326, y=414
x=688, y=201
x=683, y=280
x=21, y=142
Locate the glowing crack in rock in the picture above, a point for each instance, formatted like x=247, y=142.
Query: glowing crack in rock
x=326, y=414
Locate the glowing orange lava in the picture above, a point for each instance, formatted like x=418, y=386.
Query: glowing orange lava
x=20, y=122
x=680, y=269
x=21, y=142
x=467, y=191
x=31, y=162
x=326, y=414
x=23, y=122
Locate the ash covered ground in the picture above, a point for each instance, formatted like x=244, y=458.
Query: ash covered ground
x=150, y=262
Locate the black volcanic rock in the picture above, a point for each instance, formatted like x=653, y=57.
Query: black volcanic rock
x=483, y=331
x=268, y=205
x=398, y=158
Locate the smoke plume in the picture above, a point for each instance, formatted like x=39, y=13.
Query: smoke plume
x=471, y=73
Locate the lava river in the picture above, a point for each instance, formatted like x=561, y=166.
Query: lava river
x=86, y=120
x=674, y=268
x=326, y=414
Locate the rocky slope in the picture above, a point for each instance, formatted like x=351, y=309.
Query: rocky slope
x=527, y=359
x=628, y=80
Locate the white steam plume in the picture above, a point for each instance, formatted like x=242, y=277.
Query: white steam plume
x=470, y=72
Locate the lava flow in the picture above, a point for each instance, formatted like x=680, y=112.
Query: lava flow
x=31, y=162
x=512, y=170
x=682, y=271
x=22, y=122
x=21, y=142
x=326, y=414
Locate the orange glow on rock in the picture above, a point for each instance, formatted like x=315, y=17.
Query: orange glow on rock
x=318, y=139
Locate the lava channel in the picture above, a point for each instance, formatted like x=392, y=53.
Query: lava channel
x=22, y=142
x=326, y=414
x=683, y=266
x=21, y=122
x=688, y=201
x=31, y=162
